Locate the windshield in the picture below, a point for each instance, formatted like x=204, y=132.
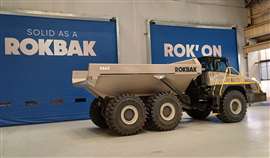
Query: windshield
x=213, y=64
x=206, y=64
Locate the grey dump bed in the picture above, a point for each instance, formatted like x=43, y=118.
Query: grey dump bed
x=139, y=79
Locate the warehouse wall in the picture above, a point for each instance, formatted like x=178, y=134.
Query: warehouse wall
x=254, y=70
x=134, y=13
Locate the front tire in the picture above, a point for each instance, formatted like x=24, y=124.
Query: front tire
x=164, y=112
x=95, y=113
x=125, y=115
x=233, y=107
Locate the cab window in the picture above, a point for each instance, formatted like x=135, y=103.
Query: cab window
x=207, y=65
x=221, y=66
x=212, y=64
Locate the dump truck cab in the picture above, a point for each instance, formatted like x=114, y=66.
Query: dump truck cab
x=219, y=75
x=218, y=80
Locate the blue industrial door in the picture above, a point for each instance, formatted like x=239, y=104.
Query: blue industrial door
x=37, y=56
x=175, y=43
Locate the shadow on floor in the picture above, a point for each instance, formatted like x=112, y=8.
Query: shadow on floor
x=99, y=132
x=265, y=103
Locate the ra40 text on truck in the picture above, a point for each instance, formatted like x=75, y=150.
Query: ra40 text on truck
x=130, y=97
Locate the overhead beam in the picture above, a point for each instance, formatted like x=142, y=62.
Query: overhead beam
x=257, y=47
x=258, y=30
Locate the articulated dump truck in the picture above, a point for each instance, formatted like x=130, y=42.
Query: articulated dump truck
x=130, y=97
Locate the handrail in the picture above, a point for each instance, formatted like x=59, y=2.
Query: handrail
x=228, y=71
x=224, y=79
x=215, y=84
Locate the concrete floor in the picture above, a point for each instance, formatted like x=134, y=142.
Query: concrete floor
x=191, y=139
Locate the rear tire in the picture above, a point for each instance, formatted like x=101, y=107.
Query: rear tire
x=125, y=115
x=197, y=114
x=95, y=113
x=233, y=107
x=164, y=112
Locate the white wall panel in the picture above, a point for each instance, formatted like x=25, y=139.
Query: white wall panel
x=253, y=68
x=133, y=14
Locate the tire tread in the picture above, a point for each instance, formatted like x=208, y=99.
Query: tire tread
x=223, y=115
x=154, y=124
x=95, y=114
x=110, y=118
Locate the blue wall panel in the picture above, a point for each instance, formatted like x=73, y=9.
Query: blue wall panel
x=35, y=85
x=184, y=41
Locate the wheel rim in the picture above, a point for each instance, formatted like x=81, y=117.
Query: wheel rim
x=129, y=114
x=167, y=111
x=236, y=106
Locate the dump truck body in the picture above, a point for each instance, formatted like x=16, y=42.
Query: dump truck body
x=140, y=79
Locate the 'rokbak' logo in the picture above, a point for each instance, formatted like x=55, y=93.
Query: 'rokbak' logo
x=49, y=46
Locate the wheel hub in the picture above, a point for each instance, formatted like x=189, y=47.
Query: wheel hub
x=167, y=111
x=129, y=114
x=236, y=106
